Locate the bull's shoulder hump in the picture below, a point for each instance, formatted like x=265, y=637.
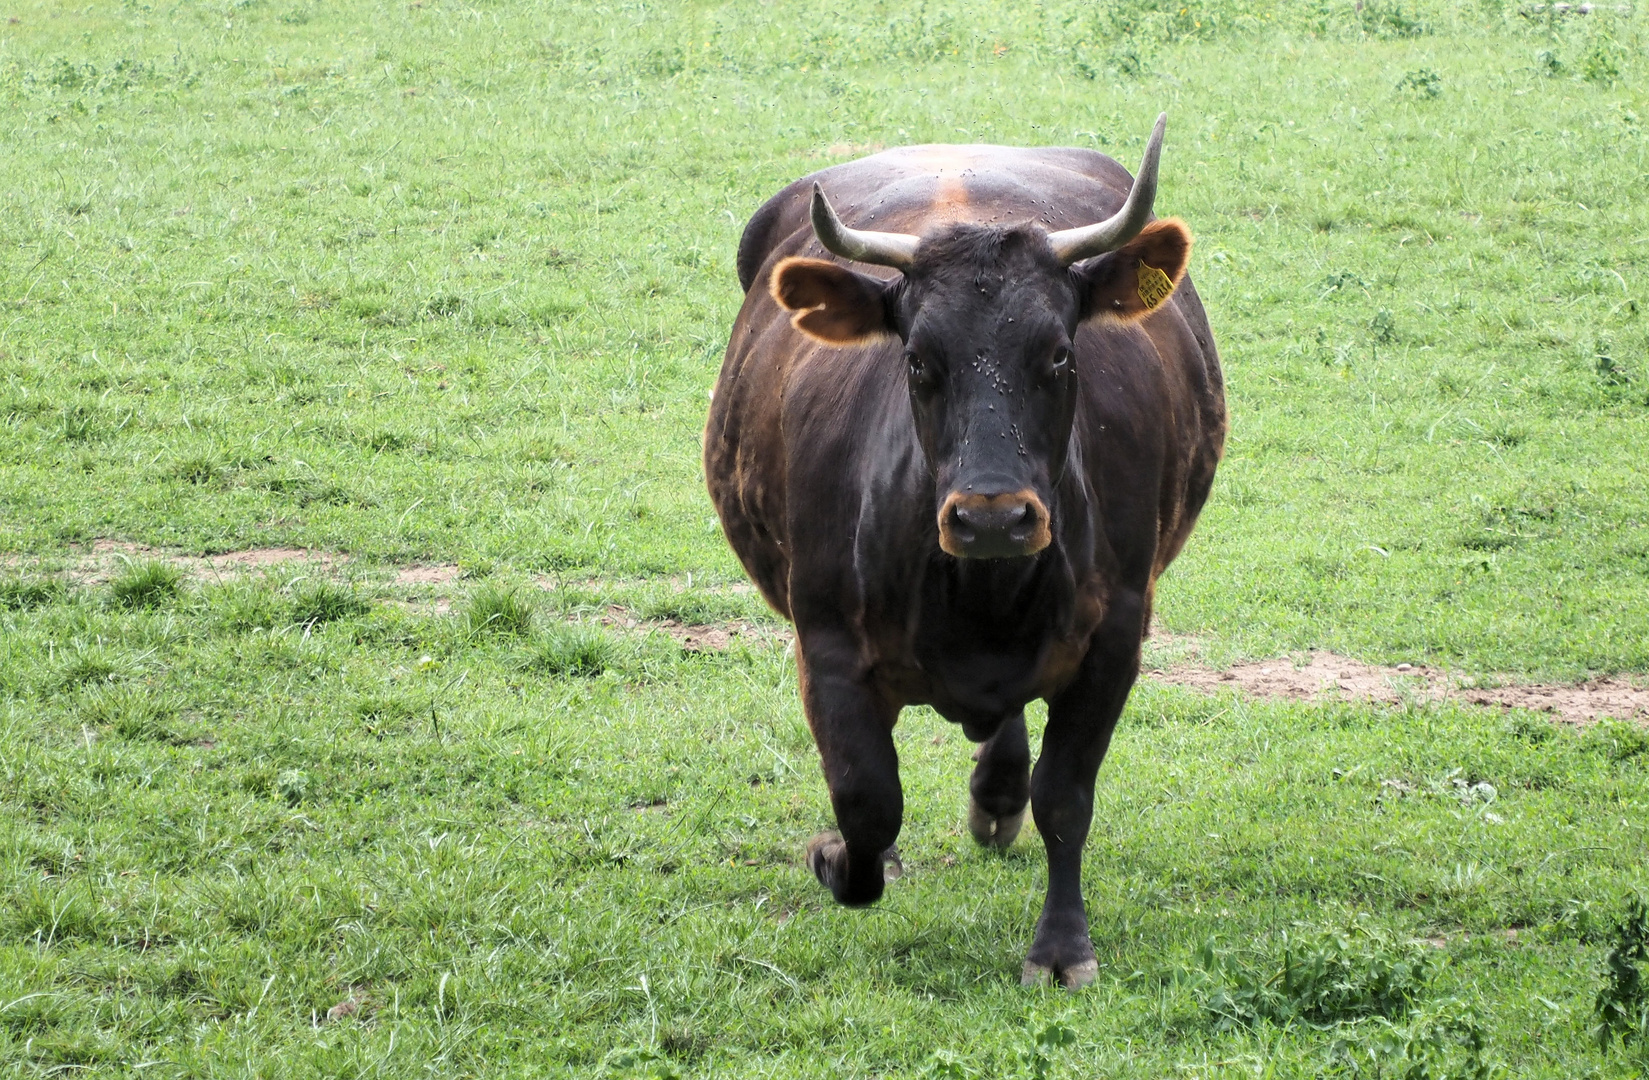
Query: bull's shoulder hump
x=1041, y=166
x=975, y=155
x=1049, y=171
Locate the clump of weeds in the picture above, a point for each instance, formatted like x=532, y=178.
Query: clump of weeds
x=579, y=651
x=1444, y=1042
x=315, y=603
x=28, y=593
x=130, y=712
x=146, y=585
x=1322, y=978
x=1622, y=1004
x=500, y=610
x=88, y=668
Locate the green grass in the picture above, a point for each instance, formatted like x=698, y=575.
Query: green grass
x=454, y=286
x=444, y=283
x=322, y=601
x=500, y=609
x=574, y=651
x=146, y=585
x=22, y=593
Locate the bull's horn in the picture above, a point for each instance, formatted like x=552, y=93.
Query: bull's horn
x=1072, y=245
x=881, y=248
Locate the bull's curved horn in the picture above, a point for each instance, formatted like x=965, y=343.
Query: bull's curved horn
x=881, y=248
x=1072, y=245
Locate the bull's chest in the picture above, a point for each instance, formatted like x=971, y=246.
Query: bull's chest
x=978, y=656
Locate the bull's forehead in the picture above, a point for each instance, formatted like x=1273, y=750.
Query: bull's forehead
x=1000, y=325
x=989, y=291
x=984, y=247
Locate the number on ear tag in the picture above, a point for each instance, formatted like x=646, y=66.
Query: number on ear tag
x=1154, y=286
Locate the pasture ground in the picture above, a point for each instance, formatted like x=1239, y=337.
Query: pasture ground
x=433, y=283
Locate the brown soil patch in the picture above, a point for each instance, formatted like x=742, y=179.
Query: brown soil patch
x=125, y=547
x=107, y=558
x=255, y=558
x=1326, y=675
x=1581, y=703
x=714, y=637
x=695, y=637
x=435, y=574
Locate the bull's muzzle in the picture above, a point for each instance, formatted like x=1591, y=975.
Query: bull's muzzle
x=1006, y=526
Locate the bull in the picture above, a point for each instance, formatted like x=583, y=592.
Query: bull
x=957, y=456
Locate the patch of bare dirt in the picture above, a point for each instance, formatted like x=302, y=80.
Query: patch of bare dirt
x=437, y=605
x=715, y=636
x=125, y=547
x=257, y=558
x=1326, y=675
x=432, y=574
x=102, y=560
x=107, y=558
x=695, y=637
x=1581, y=703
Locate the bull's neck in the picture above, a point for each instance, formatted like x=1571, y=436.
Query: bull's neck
x=999, y=595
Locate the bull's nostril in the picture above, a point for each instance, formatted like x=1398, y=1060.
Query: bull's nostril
x=1024, y=522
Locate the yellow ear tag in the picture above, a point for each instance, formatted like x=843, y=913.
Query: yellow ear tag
x=1154, y=286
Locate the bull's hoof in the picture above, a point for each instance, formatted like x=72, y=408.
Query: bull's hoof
x=827, y=858
x=1072, y=977
x=824, y=851
x=993, y=832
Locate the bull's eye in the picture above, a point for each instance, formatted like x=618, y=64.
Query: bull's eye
x=1060, y=362
x=921, y=372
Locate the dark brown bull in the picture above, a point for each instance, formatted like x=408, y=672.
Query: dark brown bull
x=960, y=477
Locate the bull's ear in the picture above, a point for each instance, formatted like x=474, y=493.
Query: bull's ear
x=1138, y=277
x=831, y=302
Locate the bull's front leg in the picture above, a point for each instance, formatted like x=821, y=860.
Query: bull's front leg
x=853, y=727
x=1080, y=722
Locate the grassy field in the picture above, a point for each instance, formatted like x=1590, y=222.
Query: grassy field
x=443, y=283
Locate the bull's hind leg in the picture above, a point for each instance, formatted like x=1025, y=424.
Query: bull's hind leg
x=1080, y=722
x=1000, y=785
x=853, y=727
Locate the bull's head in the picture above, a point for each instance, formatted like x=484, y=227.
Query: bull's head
x=987, y=315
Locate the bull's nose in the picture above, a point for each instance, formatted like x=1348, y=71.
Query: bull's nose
x=999, y=526
x=992, y=518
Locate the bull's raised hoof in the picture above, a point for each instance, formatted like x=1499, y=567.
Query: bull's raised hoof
x=827, y=857
x=1000, y=786
x=992, y=831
